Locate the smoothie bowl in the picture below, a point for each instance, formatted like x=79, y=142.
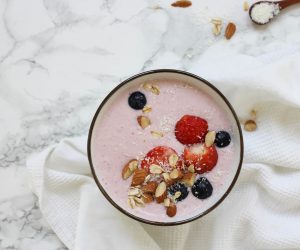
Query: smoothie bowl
x=165, y=147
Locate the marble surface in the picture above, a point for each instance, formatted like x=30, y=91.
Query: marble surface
x=58, y=58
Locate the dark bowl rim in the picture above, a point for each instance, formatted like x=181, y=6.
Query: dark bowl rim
x=157, y=223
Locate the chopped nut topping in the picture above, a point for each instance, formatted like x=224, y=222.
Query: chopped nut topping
x=155, y=169
x=173, y=160
x=210, y=138
x=143, y=121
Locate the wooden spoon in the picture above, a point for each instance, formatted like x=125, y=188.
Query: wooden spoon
x=278, y=6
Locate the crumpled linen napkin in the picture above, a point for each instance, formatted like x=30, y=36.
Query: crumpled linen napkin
x=261, y=212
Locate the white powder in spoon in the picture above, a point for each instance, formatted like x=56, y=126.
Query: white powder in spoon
x=263, y=12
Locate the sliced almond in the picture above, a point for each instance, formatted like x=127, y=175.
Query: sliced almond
x=134, y=191
x=150, y=187
x=138, y=177
x=147, y=198
x=173, y=159
x=157, y=134
x=138, y=201
x=189, y=179
x=210, y=138
x=177, y=195
x=155, y=169
x=167, y=179
x=216, y=21
x=131, y=202
x=143, y=121
x=171, y=210
x=129, y=168
x=152, y=88
x=147, y=86
x=250, y=125
x=167, y=202
x=148, y=177
x=217, y=29
x=147, y=109
x=176, y=174
x=245, y=6
x=191, y=168
x=161, y=192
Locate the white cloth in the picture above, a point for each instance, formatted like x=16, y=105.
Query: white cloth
x=261, y=212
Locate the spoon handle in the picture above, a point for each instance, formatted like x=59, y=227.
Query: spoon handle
x=286, y=3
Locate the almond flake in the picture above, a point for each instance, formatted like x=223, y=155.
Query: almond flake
x=138, y=201
x=155, y=169
x=191, y=168
x=210, y=138
x=131, y=202
x=147, y=109
x=148, y=177
x=246, y=6
x=167, y=202
x=166, y=176
x=216, y=21
x=173, y=160
x=217, y=29
x=133, y=192
x=152, y=88
x=157, y=134
x=177, y=195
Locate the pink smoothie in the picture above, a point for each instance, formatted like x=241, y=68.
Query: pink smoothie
x=117, y=138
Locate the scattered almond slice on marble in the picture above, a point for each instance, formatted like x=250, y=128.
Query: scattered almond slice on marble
x=129, y=168
x=210, y=138
x=173, y=158
x=250, y=125
x=155, y=169
x=143, y=121
x=157, y=134
x=245, y=6
x=217, y=26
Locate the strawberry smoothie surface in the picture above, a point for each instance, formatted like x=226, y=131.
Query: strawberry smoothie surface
x=117, y=138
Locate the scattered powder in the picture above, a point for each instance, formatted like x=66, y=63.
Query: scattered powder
x=263, y=12
x=166, y=124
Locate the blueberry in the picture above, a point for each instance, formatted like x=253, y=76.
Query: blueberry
x=222, y=139
x=137, y=100
x=181, y=188
x=202, y=188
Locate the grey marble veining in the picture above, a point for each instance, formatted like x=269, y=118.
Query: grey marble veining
x=58, y=58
